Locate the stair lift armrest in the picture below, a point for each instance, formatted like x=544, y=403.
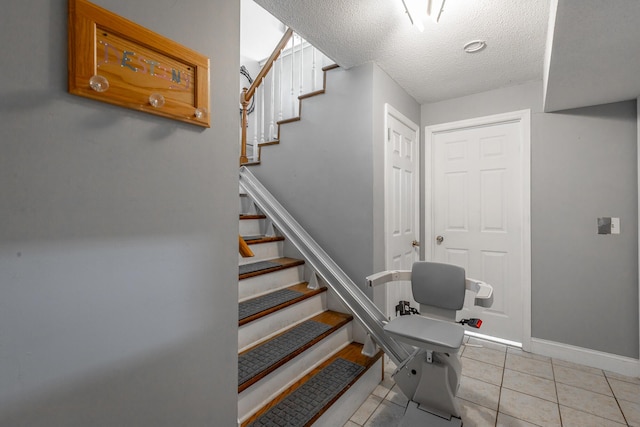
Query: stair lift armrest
x=483, y=291
x=388, y=276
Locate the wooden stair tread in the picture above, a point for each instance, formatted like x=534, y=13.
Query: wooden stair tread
x=291, y=120
x=300, y=287
x=311, y=94
x=334, y=319
x=264, y=239
x=352, y=352
x=251, y=216
x=284, y=264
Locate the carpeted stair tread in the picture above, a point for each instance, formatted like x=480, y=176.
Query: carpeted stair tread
x=278, y=264
x=260, y=358
x=258, y=361
x=265, y=302
x=255, y=308
x=301, y=406
x=351, y=353
x=256, y=266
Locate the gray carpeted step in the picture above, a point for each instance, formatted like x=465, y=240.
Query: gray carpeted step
x=256, y=305
x=304, y=403
x=271, y=352
x=256, y=266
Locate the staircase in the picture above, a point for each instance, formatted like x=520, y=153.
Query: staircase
x=298, y=364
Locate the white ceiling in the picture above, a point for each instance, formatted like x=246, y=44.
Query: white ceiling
x=591, y=53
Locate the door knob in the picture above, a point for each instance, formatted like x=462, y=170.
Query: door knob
x=439, y=239
x=415, y=243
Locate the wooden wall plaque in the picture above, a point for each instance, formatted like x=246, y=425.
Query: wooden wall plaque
x=114, y=60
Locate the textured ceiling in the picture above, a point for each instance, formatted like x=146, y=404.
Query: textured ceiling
x=431, y=65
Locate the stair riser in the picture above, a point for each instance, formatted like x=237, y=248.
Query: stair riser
x=348, y=403
x=258, y=285
x=262, y=251
x=250, y=227
x=267, y=326
x=254, y=397
x=247, y=206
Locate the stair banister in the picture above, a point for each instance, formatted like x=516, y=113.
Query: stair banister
x=248, y=93
x=349, y=293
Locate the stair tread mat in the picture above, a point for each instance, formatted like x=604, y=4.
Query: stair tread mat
x=252, y=237
x=268, y=354
x=298, y=408
x=256, y=305
x=257, y=266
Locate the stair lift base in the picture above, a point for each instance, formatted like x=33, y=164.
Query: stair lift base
x=417, y=378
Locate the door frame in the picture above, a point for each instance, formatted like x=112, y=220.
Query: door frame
x=389, y=110
x=524, y=118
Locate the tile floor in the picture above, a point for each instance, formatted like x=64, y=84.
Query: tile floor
x=506, y=387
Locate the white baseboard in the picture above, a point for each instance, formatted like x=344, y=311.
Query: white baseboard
x=584, y=356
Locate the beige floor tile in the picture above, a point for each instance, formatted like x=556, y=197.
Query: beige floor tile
x=522, y=353
x=486, y=355
x=396, y=396
x=625, y=391
x=631, y=412
x=475, y=342
x=380, y=391
x=582, y=379
x=530, y=384
x=577, y=366
x=351, y=424
x=482, y=371
x=539, y=368
x=528, y=408
x=477, y=416
x=479, y=392
x=574, y=418
x=366, y=409
x=588, y=401
x=386, y=415
x=505, y=420
x=616, y=376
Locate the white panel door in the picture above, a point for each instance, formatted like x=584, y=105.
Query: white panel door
x=477, y=210
x=401, y=204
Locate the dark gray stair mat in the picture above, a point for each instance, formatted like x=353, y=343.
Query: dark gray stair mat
x=304, y=403
x=256, y=266
x=271, y=352
x=256, y=305
x=250, y=238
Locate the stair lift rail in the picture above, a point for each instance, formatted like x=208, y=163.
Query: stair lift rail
x=347, y=291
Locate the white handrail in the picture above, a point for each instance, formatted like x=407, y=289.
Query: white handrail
x=349, y=293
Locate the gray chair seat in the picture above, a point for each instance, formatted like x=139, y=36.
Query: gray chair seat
x=430, y=334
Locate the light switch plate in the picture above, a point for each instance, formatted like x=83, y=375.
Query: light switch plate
x=615, y=225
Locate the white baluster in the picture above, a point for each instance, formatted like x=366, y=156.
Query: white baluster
x=255, y=129
x=272, y=112
x=262, y=111
x=314, y=76
x=293, y=102
x=280, y=88
x=301, y=65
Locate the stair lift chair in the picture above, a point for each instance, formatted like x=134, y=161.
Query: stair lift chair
x=430, y=376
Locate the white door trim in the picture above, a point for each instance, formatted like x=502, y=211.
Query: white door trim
x=391, y=111
x=524, y=118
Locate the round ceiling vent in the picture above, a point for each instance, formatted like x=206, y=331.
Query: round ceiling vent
x=475, y=46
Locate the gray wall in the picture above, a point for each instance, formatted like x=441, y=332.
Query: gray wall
x=327, y=169
x=117, y=234
x=321, y=170
x=583, y=166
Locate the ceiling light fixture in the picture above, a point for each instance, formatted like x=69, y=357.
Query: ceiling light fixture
x=417, y=10
x=474, y=46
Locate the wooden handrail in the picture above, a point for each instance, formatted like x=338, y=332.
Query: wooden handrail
x=244, y=249
x=247, y=93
